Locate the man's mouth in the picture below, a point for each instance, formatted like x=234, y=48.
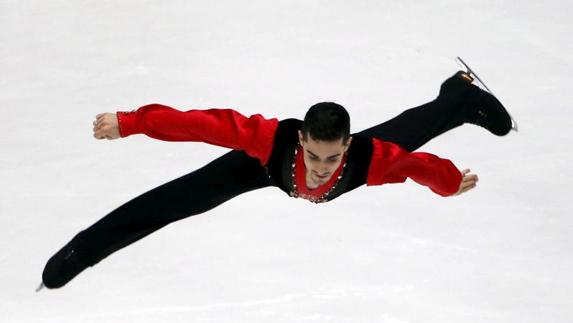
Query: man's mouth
x=321, y=176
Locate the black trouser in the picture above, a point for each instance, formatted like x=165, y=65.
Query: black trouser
x=235, y=173
x=199, y=191
x=416, y=126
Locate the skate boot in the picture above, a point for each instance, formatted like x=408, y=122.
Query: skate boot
x=65, y=265
x=482, y=108
x=474, y=105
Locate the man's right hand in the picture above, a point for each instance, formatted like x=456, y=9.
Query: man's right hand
x=106, y=126
x=469, y=182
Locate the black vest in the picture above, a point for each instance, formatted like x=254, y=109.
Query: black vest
x=280, y=164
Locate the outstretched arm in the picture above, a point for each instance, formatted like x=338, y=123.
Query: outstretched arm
x=221, y=127
x=392, y=164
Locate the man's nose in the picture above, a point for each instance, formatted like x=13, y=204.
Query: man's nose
x=323, y=167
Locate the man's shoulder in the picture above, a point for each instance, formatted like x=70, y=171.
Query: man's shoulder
x=361, y=144
x=291, y=123
x=287, y=130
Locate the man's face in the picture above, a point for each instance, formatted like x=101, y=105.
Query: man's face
x=322, y=158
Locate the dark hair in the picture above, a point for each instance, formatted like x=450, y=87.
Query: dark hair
x=326, y=121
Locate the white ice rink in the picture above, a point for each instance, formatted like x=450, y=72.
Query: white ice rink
x=395, y=253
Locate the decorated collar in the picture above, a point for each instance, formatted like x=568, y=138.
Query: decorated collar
x=299, y=188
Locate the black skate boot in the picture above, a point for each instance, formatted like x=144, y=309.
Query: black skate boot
x=476, y=106
x=482, y=107
x=65, y=265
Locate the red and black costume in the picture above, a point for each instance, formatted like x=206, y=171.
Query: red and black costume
x=369, y=160
x=264, y=154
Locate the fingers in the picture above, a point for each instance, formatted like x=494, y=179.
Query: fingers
x=100, y=117
x=105, y=126
x=103, y=135
x=96, y=125
x=467, y=177
x=99, y=128
x=466, y=186
x=99, y=134
x=103, y=132
x=463, y=190
x=98, y=121
x=469, y=181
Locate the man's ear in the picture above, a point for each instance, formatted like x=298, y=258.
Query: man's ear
x=347, y=145
x=300, y=136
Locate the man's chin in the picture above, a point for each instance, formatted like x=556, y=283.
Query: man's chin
x=321, y=180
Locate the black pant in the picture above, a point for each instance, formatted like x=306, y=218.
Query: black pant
x=416, y=126
x=236, y=173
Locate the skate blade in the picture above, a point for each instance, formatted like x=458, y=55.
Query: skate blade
x=473, y=74
x=466, y=68
x=513, y=124
x=40, y=287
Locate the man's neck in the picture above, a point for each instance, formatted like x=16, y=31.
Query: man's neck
x=310, y=184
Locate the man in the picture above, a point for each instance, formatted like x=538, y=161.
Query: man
x=316, y=159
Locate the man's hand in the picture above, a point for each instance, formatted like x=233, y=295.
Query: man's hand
x=469, y=181
x=106, y=126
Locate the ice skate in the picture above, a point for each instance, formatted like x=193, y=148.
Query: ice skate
x=490, y=99
x=63, y=266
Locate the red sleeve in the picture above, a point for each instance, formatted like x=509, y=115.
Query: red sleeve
x=392, y=164
x=221, y=127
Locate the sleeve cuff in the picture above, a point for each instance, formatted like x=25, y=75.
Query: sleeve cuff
x=127, y=123
x=452, y=185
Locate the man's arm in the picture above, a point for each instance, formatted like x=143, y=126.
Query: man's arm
x=392, y=164
x=221, y=127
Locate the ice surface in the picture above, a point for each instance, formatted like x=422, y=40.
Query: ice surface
x=396, y=253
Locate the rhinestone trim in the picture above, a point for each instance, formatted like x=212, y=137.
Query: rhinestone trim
x=296, y=194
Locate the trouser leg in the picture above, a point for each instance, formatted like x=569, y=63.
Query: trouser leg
x=224, y=178
x=416, y=126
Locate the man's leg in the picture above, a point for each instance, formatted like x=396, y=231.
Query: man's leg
x=458, y=102
x=224, y=178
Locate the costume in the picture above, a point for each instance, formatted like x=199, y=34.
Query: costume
x=264, y=154
x=369, y=160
